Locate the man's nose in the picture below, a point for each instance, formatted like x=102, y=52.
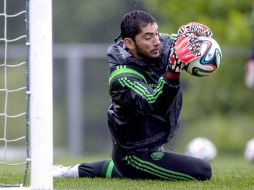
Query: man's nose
x=157, y=40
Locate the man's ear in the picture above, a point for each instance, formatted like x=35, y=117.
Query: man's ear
x=129, y=43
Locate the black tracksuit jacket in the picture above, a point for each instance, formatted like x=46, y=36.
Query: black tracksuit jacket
x=145, y=104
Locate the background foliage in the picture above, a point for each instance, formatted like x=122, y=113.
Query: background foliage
x=228, y=19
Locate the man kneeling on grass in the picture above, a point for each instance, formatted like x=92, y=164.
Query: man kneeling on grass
x=146, y=97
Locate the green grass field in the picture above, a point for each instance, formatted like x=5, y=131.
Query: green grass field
x=230, y=172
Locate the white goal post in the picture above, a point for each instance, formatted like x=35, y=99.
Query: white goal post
x=41, y=100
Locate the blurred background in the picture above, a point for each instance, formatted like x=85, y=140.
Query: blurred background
x=219, y=107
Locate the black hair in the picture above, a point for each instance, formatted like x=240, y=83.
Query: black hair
x=132, y=23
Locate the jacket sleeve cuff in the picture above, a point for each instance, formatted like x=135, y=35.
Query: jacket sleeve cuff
x=172, y=81
x=172, y=75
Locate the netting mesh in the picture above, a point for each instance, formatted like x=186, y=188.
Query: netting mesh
x=14, y=96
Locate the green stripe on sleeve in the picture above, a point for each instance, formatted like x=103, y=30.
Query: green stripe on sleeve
x=150, y=97
x=138, y=86
x=122, y=70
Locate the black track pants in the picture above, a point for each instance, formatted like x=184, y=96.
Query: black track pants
x=161, y=165
x=148, y=165
x=104, y=168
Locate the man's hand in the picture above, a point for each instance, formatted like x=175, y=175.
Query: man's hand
x=184, y=50
x=196, y=28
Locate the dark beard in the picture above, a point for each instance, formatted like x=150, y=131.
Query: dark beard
x=143, y=56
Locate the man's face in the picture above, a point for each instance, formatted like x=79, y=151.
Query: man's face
x=147, y=44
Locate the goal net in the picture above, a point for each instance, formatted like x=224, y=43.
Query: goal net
x=26, y=153
x=14, y=104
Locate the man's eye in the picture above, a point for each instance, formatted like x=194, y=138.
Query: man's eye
x=148, y=37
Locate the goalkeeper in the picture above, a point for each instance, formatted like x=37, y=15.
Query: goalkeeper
x=146, y=97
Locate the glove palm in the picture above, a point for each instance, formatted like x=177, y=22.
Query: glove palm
x=184, y=50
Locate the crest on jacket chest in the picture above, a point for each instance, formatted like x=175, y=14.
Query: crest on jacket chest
x=153, y=74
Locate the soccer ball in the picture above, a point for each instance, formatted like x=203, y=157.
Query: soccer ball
x=201, y=147
x=249, y=151
x=209, y=60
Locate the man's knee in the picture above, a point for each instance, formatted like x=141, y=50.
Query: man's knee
x=204, y=171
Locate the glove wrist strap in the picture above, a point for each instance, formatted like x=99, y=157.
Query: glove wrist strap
x=172, y=75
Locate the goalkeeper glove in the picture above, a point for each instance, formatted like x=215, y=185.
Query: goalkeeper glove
x=184, y=50
x=196, y=28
